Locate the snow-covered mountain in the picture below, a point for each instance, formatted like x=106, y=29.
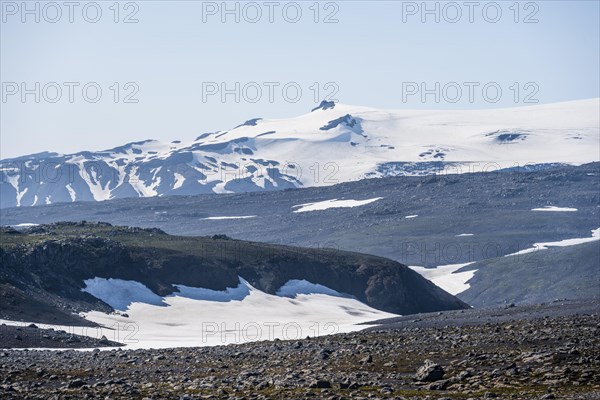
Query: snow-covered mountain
x=331, y=144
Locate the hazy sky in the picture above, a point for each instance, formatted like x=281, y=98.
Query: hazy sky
x=176, y=59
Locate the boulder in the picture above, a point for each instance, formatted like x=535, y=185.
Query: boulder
x=429, y=372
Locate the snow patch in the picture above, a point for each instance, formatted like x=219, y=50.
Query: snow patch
x=411, y=216
x=204, y=317
x=333, y=203
x=237, y=293
x=91, y=176
x=220, y=188
x=140, y=186
x=71, y=191
x=464, y=234
x=20, y=196
x=231, y=217
x=296, y=287
x=121, y=294
x=24, y=225
x=446, y=277
x=553, y=208
x=560, y=243
x=179, y=179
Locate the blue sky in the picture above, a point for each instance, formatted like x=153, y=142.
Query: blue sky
x=372, y=56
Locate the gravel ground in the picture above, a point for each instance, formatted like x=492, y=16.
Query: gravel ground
x=480, y=316
x=541, y=352
x=31, y=336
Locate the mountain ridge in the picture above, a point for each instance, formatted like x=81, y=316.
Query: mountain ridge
x=331, y=144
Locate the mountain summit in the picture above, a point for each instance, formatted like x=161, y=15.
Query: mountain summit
x=333, y=143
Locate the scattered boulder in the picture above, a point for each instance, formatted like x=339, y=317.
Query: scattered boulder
x=429, y=372
x=366, y=360
x=321, y=384
x=75, y=383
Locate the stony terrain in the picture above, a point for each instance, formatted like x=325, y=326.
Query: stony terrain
x=30, y=335
x=543, y=352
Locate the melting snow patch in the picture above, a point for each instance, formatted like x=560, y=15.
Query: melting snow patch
x=179, y=179
x=446, y=277
x=464, y=234
x=204, y=317
x=120, y=294
x=553, y=208
x=333, y=203
x=234, y=217
x=560, y=243
x=24, y=225
x=295, y=287
x=229, y=294
x=410, y=216
x=71, y=191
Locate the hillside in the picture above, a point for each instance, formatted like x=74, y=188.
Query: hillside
x=571, y=272
x=453, y=219
x=44, y=269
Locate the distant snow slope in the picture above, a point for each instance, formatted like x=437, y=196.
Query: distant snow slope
x=451, y=279
x=331, y=144
x=447, y=277
x=204, y=317
x=560, y=243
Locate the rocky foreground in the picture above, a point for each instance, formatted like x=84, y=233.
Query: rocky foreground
x=27, y=336
x=541, y=355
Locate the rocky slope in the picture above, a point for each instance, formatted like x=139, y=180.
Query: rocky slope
x=32, y=336
x=550, y=352
x=47, y=264
x=556, y=273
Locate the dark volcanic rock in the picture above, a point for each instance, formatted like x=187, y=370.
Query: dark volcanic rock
x=49, y=269
x=429, y=372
